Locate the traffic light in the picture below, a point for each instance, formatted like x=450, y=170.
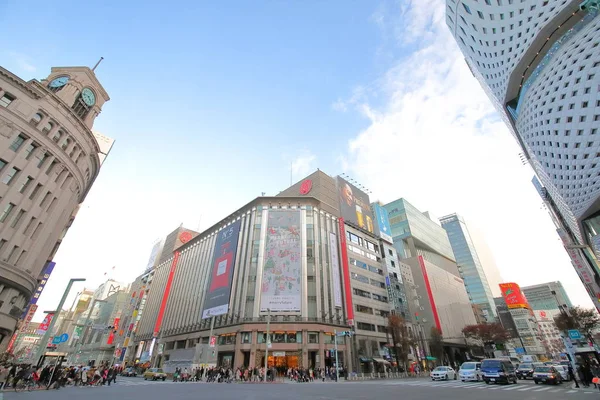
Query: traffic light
x=416, y=316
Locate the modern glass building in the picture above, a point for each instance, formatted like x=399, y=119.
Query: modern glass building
x=547, y=296
x=440, y=298
x=469, y=265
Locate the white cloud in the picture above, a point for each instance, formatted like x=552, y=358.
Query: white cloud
x=22, y=61
x=303, y=164
x=441, y=145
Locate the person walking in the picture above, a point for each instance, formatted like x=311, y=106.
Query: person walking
x=3, y=376
x=12, y=372
x=572, y=375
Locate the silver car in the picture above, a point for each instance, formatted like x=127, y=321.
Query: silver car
x=564, y=372
x=470, y=371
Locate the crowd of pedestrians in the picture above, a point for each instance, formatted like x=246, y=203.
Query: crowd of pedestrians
x=55, y=377
x=254, y=375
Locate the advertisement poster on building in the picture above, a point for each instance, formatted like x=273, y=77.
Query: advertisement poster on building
x=218, y=292
x=281, y=288
x=77, y=332
x=513, y=296
x=382, y=223
x=354, y=205
x=154, y=254
x=335, y=270
x=43, y=327
x=38, y=291
x=29, y=317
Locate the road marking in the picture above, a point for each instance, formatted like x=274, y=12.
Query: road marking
x=572, y=391
x=542, y=389
x=511, y=387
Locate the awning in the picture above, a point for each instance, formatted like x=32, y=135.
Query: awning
x=381, y=361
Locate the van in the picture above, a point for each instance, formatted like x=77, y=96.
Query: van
x=516, y=362
x=498, y=370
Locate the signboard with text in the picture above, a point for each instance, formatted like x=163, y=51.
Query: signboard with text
x=218, y=291
x=513, y=296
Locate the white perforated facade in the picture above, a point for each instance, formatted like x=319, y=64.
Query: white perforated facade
x=539, y=60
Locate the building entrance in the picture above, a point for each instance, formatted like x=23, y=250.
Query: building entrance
x=283, y=362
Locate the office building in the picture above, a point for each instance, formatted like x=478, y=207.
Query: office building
x=506, y=319
x=443, y=301
x=539, y=64
x=547, y=296
x=309, y=260
x=527, y=328
x=551, y=339
x=49, y=159
x=99, y=340
x=469, y=265
x=139, y=290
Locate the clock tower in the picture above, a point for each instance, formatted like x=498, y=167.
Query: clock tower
x=79, y=89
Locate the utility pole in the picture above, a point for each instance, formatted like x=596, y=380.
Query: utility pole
x=43, y=343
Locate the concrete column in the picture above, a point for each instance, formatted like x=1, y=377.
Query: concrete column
x=321, y=349
x=253, y=348
x=238, y=355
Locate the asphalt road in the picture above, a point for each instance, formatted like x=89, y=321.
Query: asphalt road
x=407, y=389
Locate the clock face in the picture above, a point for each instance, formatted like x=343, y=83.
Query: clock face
x=88, y=97
x=59, y=82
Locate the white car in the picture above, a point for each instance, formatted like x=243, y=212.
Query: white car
x=470, y=371
x=442, y=374
x=564, y=372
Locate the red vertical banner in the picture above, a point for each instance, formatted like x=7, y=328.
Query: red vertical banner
x=163, y=304
x=346, y=270
x=11, y=344
x=111, y=338
x=436, y=317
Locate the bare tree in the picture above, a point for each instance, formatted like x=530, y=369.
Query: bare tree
x=584, y=319
x=488, y=334
x=401, y=339
x=436, y=345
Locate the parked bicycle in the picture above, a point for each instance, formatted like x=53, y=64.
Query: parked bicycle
x=26, y=384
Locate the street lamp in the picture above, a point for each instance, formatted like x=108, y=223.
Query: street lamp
x=46, y=336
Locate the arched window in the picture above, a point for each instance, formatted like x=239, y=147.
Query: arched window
x=36, y=119
x=59, y=134
x=73, y=151
x=48, y=127
x=66, y=144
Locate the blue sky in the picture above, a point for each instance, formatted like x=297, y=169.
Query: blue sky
x=212, y=101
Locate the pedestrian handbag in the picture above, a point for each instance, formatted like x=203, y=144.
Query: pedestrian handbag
x=596, y=380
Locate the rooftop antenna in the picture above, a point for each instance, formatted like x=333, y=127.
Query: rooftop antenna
x=98, y=63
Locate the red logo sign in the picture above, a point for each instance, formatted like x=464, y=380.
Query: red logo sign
x=543, y=314
x=185, y=237
x=306, y=187
x=213, y=341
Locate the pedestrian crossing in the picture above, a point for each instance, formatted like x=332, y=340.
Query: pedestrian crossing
x=541, y=389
